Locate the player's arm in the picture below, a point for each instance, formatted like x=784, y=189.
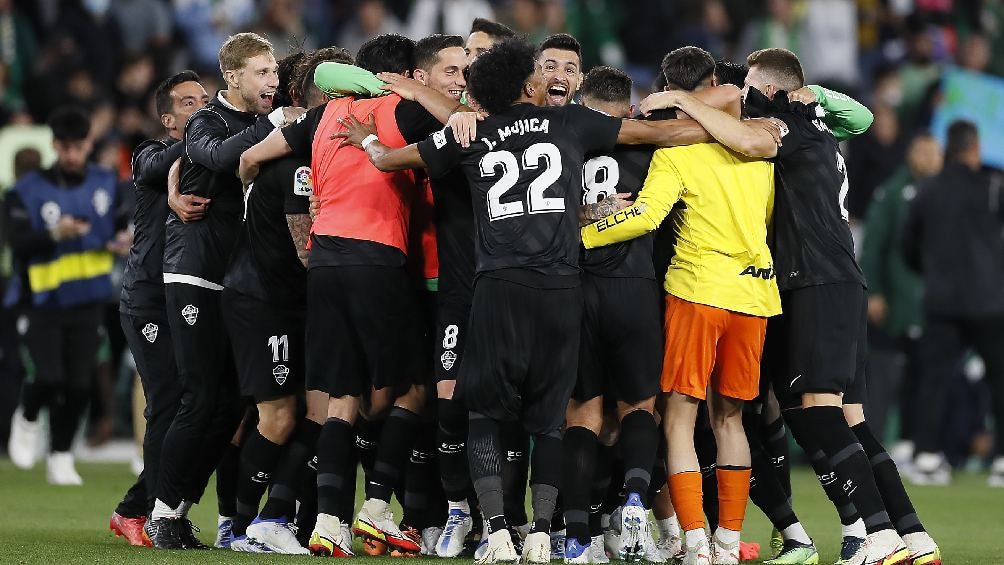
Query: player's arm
x=670, y=133
x=589, y=213
x=152, y=161
x=188, y=207
x=363, y=136
x=845, y=116
x=663, y=187
x=755, y=138
x=208, y=141
x=272, y=147
x=340, y=79
x=436, y=103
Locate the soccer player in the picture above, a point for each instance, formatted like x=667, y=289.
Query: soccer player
x=141, y=308
x=61, y=222
x=264, y=301
x=824, y=321
x=195, y=259
x=485, y=34
x=361, y=307
x=525, y=182
x=560, y=60
x=621, y=346
x=715, y=320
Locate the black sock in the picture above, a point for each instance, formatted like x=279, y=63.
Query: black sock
x=579, y=448
x=614, y=497
x=897, y=501
x=766, y=491
x=392, y=455
x=33, y=396
x=227, y=470
x=849, y=462
x=707, y=457
x=306, y=514
x=821, y=466
x=545, y=479
x=485, y=455
x=335, y=442
x=287, y=486
x=347, y=503
x=65, y=417
x=775, y=443
x=451, y=436
x=639, y=440
x=420, y=478
x=515, y=470
x=368, y=434
x=558, y=518
x=259, y=458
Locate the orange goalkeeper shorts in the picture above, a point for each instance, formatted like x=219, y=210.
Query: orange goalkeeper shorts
x=707, y=345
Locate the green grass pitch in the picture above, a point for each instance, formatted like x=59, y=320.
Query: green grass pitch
x=54, y=525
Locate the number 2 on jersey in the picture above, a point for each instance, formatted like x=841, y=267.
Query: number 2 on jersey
x=536, y=201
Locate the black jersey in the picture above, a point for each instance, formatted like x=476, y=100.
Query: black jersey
x=622, y=170
x=143, y=279
x=811, y=240
x=525, y=175
x=215, y=137
x=264, y=263
x=454, y=236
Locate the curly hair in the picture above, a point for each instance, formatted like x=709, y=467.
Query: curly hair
x=497, y=77
x=286, y=71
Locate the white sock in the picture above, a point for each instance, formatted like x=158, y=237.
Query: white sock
x=186, y=505
x=605, y=521
x=855, y=530
x=797, y=533
x=222, y=519
x=695, y=536
x=461, y=505
x=162, y=510
x=375, y=505
x=668, y=527
x=726, y=536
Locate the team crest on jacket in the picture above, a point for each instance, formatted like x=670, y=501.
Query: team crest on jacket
x=448, y=358
x=50, y=213
x=303, y=183
x=191, y=314
x=150, y=332
x=101, y=201
x=280, y=373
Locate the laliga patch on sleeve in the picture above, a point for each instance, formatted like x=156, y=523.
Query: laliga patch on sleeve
x=303, y=183
x=439, y=138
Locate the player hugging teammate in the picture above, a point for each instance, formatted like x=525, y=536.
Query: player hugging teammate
x=469, y=309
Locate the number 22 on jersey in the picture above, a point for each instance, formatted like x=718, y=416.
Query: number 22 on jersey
x=536, y=202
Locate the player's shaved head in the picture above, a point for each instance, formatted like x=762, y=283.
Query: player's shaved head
x=607, y=84
x=688, y=68
x=777, y=68
x=499, y=76
x=730, y=72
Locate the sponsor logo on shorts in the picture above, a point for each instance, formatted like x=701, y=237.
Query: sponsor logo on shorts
x=191, y=314
x=448, y=358
x=312, y=463
x=280, y=373
x=792, y=383
x=439, y=139
x=261, y=477
x=150, y=332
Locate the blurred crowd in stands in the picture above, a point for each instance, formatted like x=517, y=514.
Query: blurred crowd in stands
x=108, y=55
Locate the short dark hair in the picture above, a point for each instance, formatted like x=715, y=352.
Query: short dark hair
x=427, y=49
x=303, y=75
x=562, y=41
x=607, y=84
x=286, y=71
x=162, y=96
x=781, y=65
x=962, y=135
x=387, y=53
x=69, y=123
x=687, y=67
x=494, y=29
x=731, y=72
x=497, y=76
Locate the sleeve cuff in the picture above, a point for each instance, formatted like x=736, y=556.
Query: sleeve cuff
x=277, y=118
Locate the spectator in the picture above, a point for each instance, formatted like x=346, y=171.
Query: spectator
x=917, y=74
x=144, y=24
x=17, y=52
x=953, y=237
x=895, y=293
x=871, y=159
x=529, y=17
x=372, y=19
x=207, y=23
x=449, y=17
x=282, y=24
x=95, y=37
x=781, y=28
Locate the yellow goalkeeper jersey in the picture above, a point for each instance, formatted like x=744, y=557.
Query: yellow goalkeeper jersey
x=720, y=257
